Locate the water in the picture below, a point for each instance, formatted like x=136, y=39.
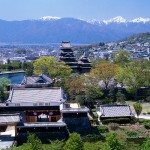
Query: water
x=14, y=77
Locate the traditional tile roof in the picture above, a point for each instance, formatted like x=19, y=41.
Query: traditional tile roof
x=9, y=118
x=41, y=79
x=36, y=95
x=115, y=111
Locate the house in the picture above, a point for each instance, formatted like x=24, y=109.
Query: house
x=114, y=113
x=37, y=81
x=42, y=111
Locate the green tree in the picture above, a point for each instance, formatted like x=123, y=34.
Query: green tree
x=28, y=68
x=135, y=76
x=113, y=143
x=4, y=83
x=146, y=144
x=74, y=142
x=120, y=98
x=50, y=66
x=56, y=145
x=104, y=71
x=122, y=57
x=138, y=108
x=34, y=142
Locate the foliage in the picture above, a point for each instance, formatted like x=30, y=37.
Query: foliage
x=34, y=142
x=135, y=75
x=93, y=145
x=116, y=120
x=4, y=83
x=113, y=143
x=132, y=134
x=93, y=93
x=147, y=125
x=104, y=71
x=56, y=145
x=122, y=57
x=74, y=142
x=50, y=66
x=121, y=99
x=28, y=68
x=102, y=129
x=113, y=126
x=146, y=144
x=138, y=108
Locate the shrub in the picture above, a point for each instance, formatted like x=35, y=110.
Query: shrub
x=74, y=142
x=132, y=134
x=117, y=120
x=93, y=138
x=147, y=125
x=113, y=126
x=102, y=129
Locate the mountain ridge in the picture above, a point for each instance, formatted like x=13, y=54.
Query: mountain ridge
x=55, y=29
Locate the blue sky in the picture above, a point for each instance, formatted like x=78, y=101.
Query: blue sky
x=83, y=9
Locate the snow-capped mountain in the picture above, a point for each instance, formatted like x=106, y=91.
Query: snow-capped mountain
x=119, y=20
x=140, y=19
x=49, y=29
x=47, y=18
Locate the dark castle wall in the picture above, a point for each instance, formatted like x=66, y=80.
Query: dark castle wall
x=77, y=122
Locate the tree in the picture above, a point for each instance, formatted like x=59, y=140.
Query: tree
x=50, y=66
x=134, y=76
x=74, y=142
x=122, y=57
x=28, y=68
x=34, y=142
x=105, y=72
x=75, y=86
x=138, y=108
x=113, y=143
x=4, y=83
x=146, y=144
x=56, y=145
x=120, y=98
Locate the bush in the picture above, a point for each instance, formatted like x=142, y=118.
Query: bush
x=117, y=120
x=132, y=134
x=93, y=138
x=147, y=125
x=74, y=142
x=102, y=129
x=113, y=126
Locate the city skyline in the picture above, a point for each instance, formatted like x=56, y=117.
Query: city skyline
x=85, y=9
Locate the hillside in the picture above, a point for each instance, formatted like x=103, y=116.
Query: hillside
x=140, y=38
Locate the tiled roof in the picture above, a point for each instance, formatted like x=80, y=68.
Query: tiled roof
x=115, y=111
x=36, y=80
x=9, y=118
x=35, y=95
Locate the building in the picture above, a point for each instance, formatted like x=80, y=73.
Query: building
x=67, y=56
x=42, y=111
x=37, y=81
x=83, y=65
x=115, y=113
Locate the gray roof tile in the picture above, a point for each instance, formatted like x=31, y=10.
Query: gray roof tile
x=115, y=111
x=36, y=95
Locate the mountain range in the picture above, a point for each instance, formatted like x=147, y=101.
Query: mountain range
x=54, y=30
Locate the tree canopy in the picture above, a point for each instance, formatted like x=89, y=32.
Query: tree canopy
x=50, y=66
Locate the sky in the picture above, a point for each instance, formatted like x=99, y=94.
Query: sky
x=82, y=9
